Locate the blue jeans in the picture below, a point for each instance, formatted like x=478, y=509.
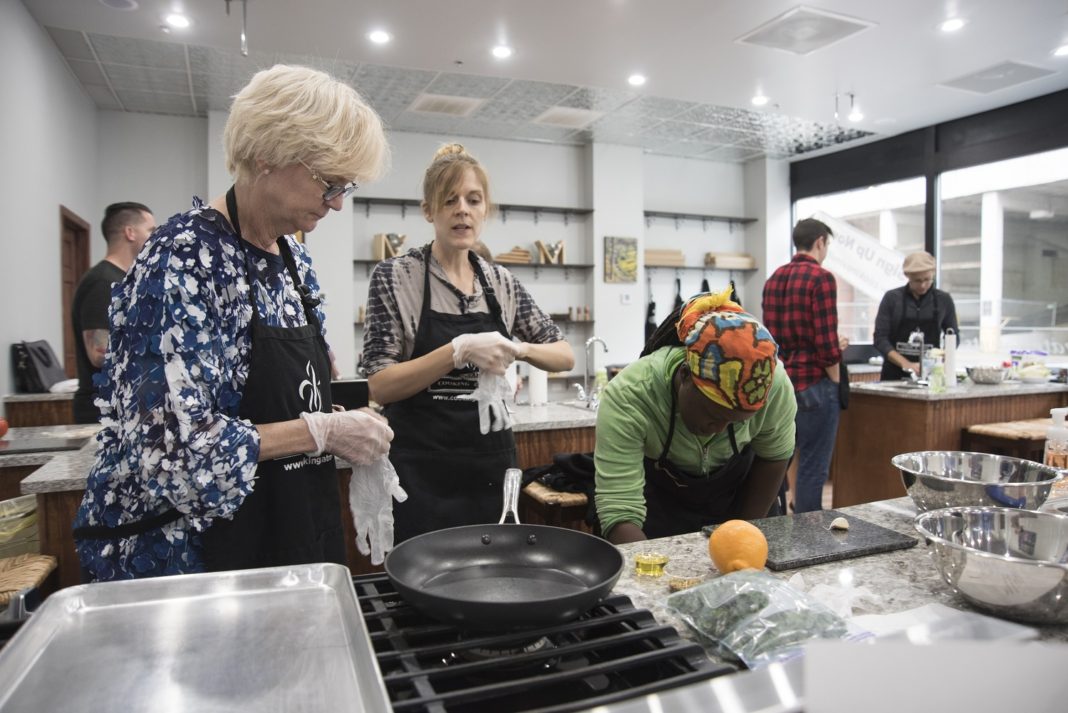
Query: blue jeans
x=817, y=426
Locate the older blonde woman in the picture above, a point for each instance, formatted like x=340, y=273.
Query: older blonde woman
x=218, y=436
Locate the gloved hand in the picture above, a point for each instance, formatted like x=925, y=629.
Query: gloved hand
x=489, y=351
x=490, y=394
x=359, y=436
x=372, y=490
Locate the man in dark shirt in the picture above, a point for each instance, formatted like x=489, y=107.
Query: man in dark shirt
x=126, y=227
x=801, y=312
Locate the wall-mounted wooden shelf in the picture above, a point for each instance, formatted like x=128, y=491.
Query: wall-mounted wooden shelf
x=502, y=208
x=566, y=267
x=705, y=219
x=703, y=268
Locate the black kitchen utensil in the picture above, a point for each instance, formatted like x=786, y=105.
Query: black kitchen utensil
x=504, y=576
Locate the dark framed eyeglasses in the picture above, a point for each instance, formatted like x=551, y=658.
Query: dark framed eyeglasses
x=332, y=190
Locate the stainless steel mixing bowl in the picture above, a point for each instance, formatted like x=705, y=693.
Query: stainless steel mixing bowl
x=1011, y=563
x=944, y=479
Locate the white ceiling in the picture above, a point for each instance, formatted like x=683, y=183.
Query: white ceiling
x=578, y=54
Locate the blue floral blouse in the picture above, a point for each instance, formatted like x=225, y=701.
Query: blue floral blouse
x=171, y=387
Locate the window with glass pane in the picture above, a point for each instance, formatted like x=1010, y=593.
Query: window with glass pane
x=1004, y=255
x=875, y=228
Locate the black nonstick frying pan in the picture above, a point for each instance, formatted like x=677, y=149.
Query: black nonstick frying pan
x=504, y=576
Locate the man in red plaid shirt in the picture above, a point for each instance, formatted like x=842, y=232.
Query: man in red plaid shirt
x=801, y=312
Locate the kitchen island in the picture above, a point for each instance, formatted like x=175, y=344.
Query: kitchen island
x=888, y=418
x=900, y=581
x=59, y=483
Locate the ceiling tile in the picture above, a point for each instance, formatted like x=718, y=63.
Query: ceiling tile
x=157, y=103
x=218, y=85
x=674, y=130
x=138, y=53
x=466, y=85
x=656, y=107
x=339, y=69
x=87, y=72
x=103, y=97
x=427, y=123
x=505, y=130
x=597, y=99
x=733, y=154
x=71, y=43
x=212, y=61
x=143, y=79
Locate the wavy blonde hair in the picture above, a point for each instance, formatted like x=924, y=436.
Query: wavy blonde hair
x=445, y=171
x=288, y=114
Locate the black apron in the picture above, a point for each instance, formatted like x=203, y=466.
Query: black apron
x=677, y=502
x=293, y=514
x=452, y=473
x=910, y=321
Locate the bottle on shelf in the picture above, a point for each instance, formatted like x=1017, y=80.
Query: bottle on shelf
x=1056, y=449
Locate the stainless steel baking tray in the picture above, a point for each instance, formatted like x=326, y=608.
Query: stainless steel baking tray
x=276, y=639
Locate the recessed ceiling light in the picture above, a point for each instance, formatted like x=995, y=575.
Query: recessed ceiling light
x=502, y=51
x=759, y=100
x=951, y=25
x=636, y=80
x=120, y=4
x=1061, y=51
x=177, y=21
x=379, y=37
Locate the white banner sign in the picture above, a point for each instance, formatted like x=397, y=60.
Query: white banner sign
x=861, y=260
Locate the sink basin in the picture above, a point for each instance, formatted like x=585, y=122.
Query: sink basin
x=575, y=403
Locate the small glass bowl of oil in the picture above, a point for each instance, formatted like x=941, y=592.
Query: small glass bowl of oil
x=648, y=563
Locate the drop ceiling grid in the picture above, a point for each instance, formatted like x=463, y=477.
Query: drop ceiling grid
x=188, y=80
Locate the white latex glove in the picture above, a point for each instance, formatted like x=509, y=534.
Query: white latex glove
x=491, y=394
x=358, y=436
x=372, y=490
x=489, y=351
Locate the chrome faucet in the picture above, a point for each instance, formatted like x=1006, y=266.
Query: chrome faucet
x=586, y=394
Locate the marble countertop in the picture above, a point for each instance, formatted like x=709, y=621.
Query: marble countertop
x=16, y=398
x=62, y=434
x=901, y=580
x=967, y=390
x=64, y=471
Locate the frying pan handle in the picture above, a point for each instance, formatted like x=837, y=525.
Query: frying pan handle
x=512, y=479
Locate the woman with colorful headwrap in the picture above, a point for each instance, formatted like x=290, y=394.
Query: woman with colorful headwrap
x=697, y=431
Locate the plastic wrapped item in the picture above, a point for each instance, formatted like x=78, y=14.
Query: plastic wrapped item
x=757, y=619
x=18, y=526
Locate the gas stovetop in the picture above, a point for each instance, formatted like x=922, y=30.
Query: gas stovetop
x=611, y=653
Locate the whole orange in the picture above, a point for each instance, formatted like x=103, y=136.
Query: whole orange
x=737, y=544
x=3, y=426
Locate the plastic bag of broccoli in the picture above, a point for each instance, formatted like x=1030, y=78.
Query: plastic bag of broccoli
x=753, y=617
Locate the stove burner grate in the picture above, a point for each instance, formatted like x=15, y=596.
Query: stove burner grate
x=611, y=653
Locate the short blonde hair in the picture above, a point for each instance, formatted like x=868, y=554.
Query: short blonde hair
x=445, y=171
x=287, y=114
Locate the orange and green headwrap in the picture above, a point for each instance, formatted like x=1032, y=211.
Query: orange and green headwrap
x=731, y=355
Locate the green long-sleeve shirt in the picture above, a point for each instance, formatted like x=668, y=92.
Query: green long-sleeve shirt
x=632, y=422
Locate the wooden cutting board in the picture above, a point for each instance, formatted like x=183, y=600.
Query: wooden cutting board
x=803, y=539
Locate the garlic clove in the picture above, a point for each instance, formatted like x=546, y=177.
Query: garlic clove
x=839, y=523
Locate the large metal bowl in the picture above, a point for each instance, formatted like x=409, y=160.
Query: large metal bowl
x=987, y=374
x=945, y=479
x=1011, y=563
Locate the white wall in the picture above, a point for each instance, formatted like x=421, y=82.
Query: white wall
x=767, y=198
x=156, y=160
x=679, y=185
x=48, y=143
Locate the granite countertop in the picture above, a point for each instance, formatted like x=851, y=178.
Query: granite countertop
x=15, y=398
x=901, y=580
x=554, y=415
x=967, y=390
x=62, y=435
x=69, y=470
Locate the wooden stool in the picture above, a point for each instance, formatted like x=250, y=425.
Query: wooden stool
x=541, y=505
x=1018, y=439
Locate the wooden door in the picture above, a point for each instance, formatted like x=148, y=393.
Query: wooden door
x=74, y=263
